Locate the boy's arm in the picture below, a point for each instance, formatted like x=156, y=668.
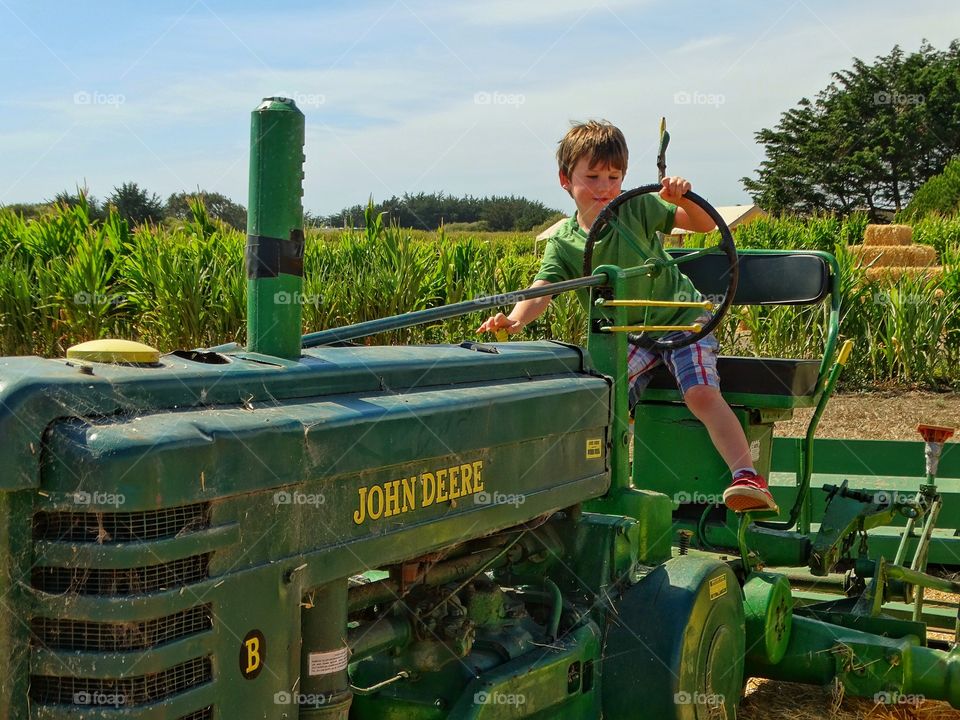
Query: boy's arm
x=523, y=313
x=689, y=215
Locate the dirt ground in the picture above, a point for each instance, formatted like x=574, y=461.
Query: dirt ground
x=880, y=416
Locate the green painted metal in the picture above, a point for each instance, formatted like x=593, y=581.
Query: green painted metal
x=768, y=614
x=867, y=664
x=275, y=210
x=682, y=632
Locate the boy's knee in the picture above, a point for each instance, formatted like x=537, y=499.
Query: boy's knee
x=702, y=397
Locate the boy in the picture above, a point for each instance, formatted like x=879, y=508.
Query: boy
x=593, y=161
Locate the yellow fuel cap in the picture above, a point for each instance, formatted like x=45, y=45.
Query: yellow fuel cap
x=114, y=351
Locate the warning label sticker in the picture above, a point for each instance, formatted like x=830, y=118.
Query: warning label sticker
x=594, y=448
x=718, y=586
x=324, y=663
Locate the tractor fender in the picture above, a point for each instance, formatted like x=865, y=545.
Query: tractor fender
x=674, y=646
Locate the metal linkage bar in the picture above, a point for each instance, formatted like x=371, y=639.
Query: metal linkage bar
x=705, y=305
x=445, y=312
x=696, y=327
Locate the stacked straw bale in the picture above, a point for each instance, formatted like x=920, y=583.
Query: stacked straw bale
x=888, y=253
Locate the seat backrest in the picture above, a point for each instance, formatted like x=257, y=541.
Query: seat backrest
x=766, y=278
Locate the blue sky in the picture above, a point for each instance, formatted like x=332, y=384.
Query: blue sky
x=409, y=96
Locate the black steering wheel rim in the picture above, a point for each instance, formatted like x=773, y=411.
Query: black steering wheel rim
x=726, y=245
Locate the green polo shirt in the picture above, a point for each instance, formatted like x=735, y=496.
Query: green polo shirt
x=642, y=217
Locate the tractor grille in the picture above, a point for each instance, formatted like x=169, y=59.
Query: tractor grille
x=124, y=581
x=104, y=527
x=205, y=714
x=57, y=634
x=122, y=692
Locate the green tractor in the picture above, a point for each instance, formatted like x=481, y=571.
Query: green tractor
x=312, y=528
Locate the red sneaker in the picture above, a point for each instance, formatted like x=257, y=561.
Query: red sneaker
x=748, y=491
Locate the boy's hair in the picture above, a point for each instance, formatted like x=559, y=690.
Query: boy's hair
x=601, y=141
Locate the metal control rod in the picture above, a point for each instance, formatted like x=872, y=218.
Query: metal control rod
x=444, y=312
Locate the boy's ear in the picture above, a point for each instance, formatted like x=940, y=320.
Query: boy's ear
x=564, y=181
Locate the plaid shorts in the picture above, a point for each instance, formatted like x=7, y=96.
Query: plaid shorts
x=690, y=366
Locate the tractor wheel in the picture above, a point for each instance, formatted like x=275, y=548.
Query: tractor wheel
x=675, y=645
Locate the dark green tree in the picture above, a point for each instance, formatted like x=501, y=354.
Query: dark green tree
x=80, y=198
x=868, y=140
x=427, y=211
x=940, y=194
x=135, y=205
x=218, y=206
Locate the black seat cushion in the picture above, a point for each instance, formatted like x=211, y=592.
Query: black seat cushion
x=754, y=376
x=790, y=278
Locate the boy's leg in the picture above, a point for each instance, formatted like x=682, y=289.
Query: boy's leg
x=695, y=370
x=640, y=362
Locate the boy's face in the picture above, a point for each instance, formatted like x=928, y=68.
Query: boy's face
x=592, y=188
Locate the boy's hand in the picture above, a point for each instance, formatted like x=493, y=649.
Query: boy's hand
x=674, y=189
x=500, y=322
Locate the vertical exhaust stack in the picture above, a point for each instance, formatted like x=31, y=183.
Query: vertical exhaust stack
x=274, y=253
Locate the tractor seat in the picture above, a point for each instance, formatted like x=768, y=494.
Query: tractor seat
x=766, y=278
x=750, y=382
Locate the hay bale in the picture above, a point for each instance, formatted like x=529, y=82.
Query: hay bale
x=892, y=273
x=888, y=235
x=895, y=255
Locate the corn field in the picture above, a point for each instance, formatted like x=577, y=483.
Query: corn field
x=66, y=279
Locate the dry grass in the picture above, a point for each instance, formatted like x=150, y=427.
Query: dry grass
x=888, y=235
x=878, y=415
x=774, y=700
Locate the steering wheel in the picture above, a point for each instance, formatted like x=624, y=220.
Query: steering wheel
x=725, y=245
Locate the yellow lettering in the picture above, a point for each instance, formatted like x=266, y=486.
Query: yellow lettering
x=454, y=482
x=253, y=654
x=442, y=485
x=477, y=478
x=392, y=491
x=375, y=508
x=409, y=493
x=428, y=488
x=360, y=514
x=466, y=472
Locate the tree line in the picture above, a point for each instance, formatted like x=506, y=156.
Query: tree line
x=137, y=205
x=427, y=211
x=424, y=211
